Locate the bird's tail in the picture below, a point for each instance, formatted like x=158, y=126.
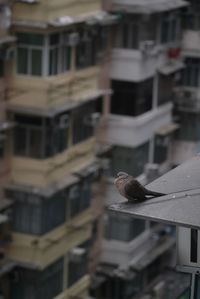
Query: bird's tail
x=155, y=194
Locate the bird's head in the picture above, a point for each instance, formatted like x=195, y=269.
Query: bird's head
x=121, y=178
x=122, y=175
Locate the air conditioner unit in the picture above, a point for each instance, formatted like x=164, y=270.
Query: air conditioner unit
x=63, y=121
x=147, y=46
x=92, y=119
x=77, y=254
x=73, y=39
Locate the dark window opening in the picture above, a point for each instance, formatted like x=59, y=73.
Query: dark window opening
x=86, y=50
x=165, y=89
x=35, y=284
x=130, y=160
x=37, y=215
x=194, y=245
x=161, y=149
x=131, y=98
x=123, y=228
x=41, y=138
x=79, y=197
x=1, y=68
x=189, y=127
x=170, y=27
x=191, y=73
x=83, y=127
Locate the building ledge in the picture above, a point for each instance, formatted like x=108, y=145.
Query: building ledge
x=148, y=7
x=180, y=205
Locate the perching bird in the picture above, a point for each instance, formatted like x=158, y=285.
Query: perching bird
x=131, y=189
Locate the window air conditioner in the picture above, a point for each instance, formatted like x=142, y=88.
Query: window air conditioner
x=63, y=121
x=147, y=46
x=92, y=119
x=77, y=255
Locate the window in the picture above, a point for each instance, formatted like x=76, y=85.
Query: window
x=170, y=27
x=161, y=149
x=189, y=127
x=2, y=147
x=30, y=53
x=36, y=215
x=191, y=73
x=1, y=68
x=86, y=50
x=82, y=125
x=131, y=98
x=79, y=197
x=41, y=138
x=127, y=35
x=77, y=264
x=123, y=228
x=193, y=245
x=130, y=160
x=59, y=53
x=191, y=16
x=35, y=284
x=165, y=89
x=197, y=287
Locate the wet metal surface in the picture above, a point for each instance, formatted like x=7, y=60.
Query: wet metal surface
x=180, y=205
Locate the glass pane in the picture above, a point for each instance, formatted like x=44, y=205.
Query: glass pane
x=22, y=61
x=66, y=52
x=54, y=39
x=53, y=62
x=20, y=141
x=36, y=62
x=30, y=39
x=35, y=149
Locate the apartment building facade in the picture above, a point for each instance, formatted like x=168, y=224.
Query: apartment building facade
x=140, y=131
x=54, y=103
x=186, y=94
x=7, y=44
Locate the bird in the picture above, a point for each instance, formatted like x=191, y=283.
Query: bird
x=131, y=189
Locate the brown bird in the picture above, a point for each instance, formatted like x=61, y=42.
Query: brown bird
x=131, y=189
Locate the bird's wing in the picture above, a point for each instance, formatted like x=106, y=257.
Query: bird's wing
x=134, y=190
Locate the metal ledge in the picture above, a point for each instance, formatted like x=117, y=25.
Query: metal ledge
x=180, y=205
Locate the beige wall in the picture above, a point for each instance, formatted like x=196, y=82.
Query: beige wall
x=47, y=10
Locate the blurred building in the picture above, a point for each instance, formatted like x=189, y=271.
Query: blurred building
x=186, y=95
x=138, y=136
x=7, y=44
x=55, y=103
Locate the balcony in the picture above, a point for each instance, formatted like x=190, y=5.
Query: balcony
x=42, y=173
x=135, y=65
x=64, y=90
x=134, y=131
x=40, y=251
